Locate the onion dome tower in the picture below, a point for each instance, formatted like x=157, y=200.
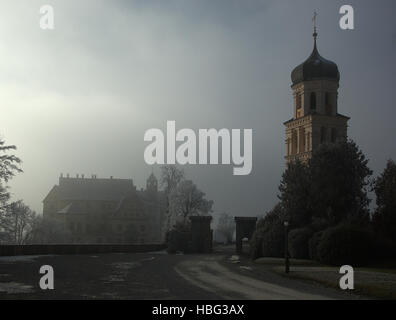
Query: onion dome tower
x=316, y=120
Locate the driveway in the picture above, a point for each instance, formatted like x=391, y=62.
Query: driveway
x=154, y=275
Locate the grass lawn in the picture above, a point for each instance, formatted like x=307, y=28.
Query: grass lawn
x=377, y=281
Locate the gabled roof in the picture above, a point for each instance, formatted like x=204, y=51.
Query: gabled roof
x=91, y=189
x=52, y=194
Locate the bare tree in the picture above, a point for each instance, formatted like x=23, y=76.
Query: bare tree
x=170, y=178
x=187, y=200
x=9, y=163
x=17, y=223
x=226, y=227
x=9, y=166
x=47, y=230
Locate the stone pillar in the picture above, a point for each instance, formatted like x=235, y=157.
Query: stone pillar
x=245, y=227
x=201, y=235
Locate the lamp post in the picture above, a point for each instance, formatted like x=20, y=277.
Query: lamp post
x=287, y=262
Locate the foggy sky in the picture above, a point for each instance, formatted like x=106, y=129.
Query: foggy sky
x=78, y=99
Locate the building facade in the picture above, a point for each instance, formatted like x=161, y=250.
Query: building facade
x=94, y=210
x=315, y=120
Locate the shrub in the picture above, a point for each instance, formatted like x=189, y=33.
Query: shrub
x=384, y=219
x=385, y=249
x=346, y=244
x=268, y=239
x=256, y=242
x=273, y=241
x=298, y=243
x=313, y=245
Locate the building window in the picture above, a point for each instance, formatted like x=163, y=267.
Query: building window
x=327, y=103
x=313, y=101
x=322, y=134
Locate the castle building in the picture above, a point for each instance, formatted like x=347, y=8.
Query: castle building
x=315, y=120
x=94, y=210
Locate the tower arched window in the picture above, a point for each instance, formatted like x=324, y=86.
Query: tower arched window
x=328, y=103
x=313, y=101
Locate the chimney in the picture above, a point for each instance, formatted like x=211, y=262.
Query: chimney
x=82, y=176
x=111, y=177
x=77, y=176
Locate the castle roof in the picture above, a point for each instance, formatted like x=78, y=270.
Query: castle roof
x=91, y=189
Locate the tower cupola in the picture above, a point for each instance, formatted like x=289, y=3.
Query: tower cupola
x=315, y=68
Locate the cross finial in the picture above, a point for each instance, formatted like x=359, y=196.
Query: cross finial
x=314, y=23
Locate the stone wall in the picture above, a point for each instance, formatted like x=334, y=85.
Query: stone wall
x=42, y=249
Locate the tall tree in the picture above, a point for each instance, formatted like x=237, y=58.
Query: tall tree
x=384, y=218
x=332, y=187
x=9, y=163
x=9, y=166
x=339, y=181
x=295, y=194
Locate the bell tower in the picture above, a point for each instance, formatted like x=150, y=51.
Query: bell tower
x=315, y=120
